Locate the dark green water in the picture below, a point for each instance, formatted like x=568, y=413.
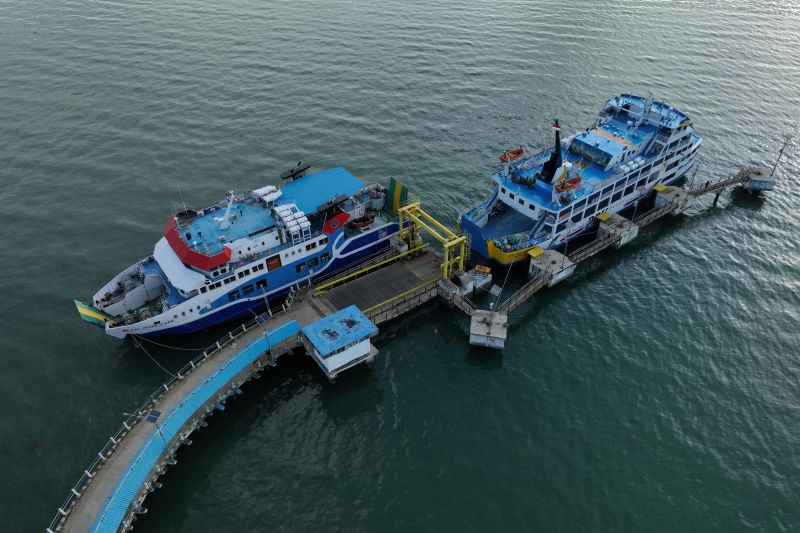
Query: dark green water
x=656, y=390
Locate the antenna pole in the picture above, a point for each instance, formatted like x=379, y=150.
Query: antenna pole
x=780, y=153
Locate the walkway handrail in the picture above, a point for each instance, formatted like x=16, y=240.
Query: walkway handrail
x=323, y=288
x=127, y=425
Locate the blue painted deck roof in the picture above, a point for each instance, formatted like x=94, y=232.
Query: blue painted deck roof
x=138, y=471
x=313, y=190
x=247, y=217
x=339, y=330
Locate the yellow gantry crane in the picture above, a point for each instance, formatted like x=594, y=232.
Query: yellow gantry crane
x=454, y=247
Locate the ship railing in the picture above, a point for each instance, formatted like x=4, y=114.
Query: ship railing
x=112, y=444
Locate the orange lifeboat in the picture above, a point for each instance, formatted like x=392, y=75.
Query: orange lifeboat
x=568, y=185
x=511, y=155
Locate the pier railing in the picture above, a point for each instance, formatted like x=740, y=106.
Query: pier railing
x=405, y=301
x=128, y=424
x=523, y=293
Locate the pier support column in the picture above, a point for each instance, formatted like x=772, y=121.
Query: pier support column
x=619, y=226
x=488, y=328
x=550, y=262
x=759, y=179
x=671, y=195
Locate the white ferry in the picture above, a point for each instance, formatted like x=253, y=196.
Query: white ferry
x=227, y=260
x=547, y=197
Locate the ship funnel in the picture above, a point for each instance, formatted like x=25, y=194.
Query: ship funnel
x=552, y=164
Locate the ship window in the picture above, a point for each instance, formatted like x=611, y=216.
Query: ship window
x=323, y=241
x=300, y=267
x=188, y=236
x=260, y=284
x=593, y=198
x=603, y=204
x=590, y=211
x=607, y=189
x=218, y=284
x=617, y=196
x=223, y=270
x=503, y=190
x=248, y=289
x=203, y=290
x=233, y=296
x=641, y=182
x=324, y=257
x=240, y=274
x=547, y=228
x=531, y=207
x=521, y=201
x=561, y=227
x=629, y=189
x=311, y=246
x=313, y=262
x=511, y=195
x=580, y=203
x=577, y=218
x=215, y=273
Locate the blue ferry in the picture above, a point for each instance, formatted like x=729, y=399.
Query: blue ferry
x=544, y=198
x=227, y=260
